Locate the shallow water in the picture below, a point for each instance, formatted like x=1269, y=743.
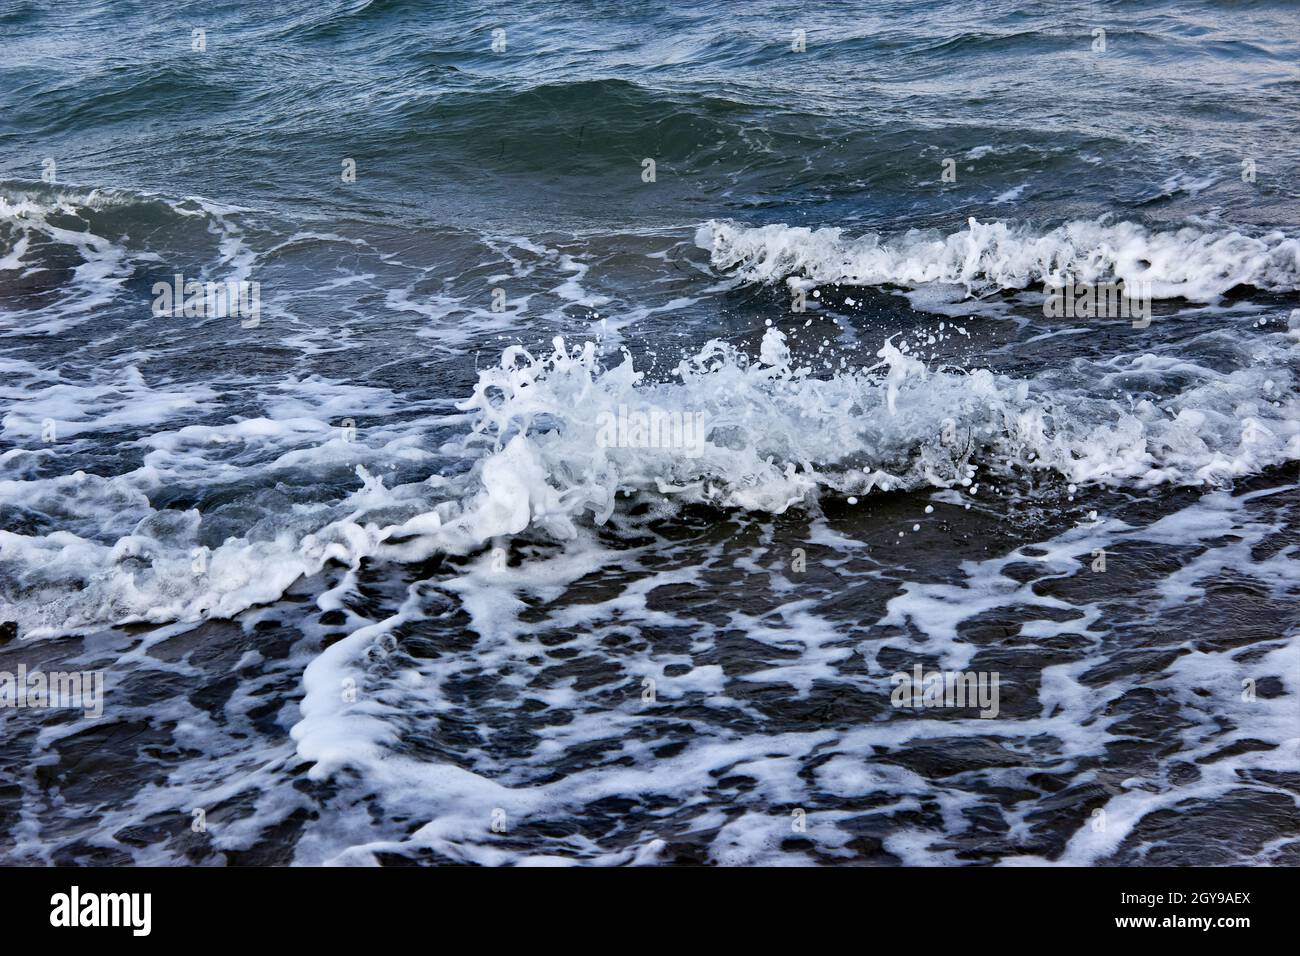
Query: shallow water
x=367, y=581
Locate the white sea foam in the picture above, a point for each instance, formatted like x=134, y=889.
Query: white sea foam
x=526, y=459
x=776, y=437
x=1192, y=263
x=93, y=284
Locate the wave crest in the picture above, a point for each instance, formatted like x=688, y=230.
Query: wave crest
x=536, y=461
x=1190, y=263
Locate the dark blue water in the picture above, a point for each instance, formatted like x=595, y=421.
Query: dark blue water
x=365, y=578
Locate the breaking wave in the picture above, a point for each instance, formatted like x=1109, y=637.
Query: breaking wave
x=1190, y=263
x=775, y=436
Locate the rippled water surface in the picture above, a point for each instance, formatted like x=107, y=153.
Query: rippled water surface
x=366, y=578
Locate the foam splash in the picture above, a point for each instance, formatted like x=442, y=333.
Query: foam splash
x=1190, y=263
x=775, y=437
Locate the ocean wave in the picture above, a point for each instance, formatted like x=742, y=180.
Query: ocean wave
x=1190, y=263
x=67, y=253
x=541, y=458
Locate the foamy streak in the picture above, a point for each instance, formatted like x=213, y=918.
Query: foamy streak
x=1187, y=263
x=102, y=272
x=1077, y=714
x=107, y=265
